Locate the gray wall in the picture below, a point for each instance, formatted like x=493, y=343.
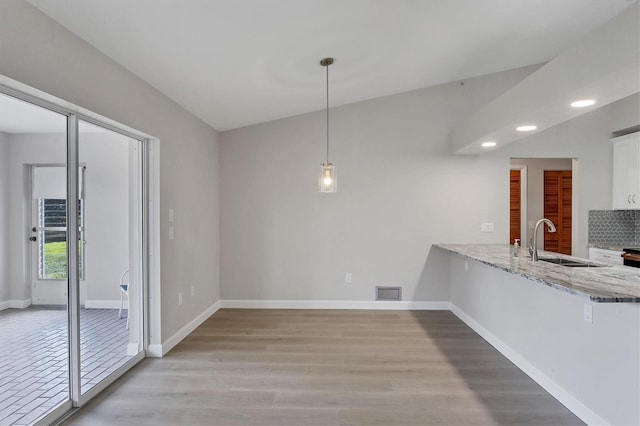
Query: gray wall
x=4, y=218
x=625, y=113
x=399, y=191
x=40, y=53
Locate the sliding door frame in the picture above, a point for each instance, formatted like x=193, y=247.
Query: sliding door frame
x=73, y=267
x=148, y=193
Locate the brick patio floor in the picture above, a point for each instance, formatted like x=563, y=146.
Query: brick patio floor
x=34, y=366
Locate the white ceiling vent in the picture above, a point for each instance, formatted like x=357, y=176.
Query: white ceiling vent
x=388, y=293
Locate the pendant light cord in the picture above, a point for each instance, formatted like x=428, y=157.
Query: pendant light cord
x=327, y=67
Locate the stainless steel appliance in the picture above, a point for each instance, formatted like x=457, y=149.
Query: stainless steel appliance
x=631, y=256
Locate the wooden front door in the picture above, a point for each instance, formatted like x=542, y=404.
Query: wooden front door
x=514, y=206
x=557, y=208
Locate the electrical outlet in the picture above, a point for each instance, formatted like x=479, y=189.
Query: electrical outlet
x=171, y=215
x=179, y=298
x=193, y=291
x=347, y=277
x=171, y=234
x=588, y=313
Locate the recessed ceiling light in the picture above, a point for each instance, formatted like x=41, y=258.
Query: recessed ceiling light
x=488, y=144
x=527, y=128
x=583, y=103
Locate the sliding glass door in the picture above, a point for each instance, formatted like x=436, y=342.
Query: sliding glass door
x=34, y=333
x=110, y=313
x=72, y=262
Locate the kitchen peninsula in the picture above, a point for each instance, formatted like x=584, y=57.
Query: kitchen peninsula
x=602, y=283
x=576, y=331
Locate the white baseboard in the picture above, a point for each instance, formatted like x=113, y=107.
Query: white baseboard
x=335, y=304
x=576, y=407
x=15, y=304
x=154, y=351
x=105, y=304
x=160, y=350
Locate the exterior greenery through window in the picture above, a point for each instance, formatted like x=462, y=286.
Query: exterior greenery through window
x=52, y=239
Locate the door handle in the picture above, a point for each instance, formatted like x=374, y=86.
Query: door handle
x=629, y=199
x=32, y=239
x=634, y=198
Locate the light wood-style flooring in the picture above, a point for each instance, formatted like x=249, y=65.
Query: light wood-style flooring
x=327, y=367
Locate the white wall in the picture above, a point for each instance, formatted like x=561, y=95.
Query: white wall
x=4, y=220
x=543, y=331
x=535, y=189
x=399, y=191
x=40, y=53
x=24, y=150
x=106, y=208
x=106, y=157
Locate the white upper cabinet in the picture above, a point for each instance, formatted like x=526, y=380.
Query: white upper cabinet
x=626, y=172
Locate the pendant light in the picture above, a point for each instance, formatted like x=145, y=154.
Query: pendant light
x=327, y=181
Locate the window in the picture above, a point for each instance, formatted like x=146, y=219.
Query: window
x=52, y=239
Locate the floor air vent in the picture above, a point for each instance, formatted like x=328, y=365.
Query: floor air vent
x=388, y=293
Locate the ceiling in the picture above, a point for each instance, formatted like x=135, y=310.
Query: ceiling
x=17, y=116
x=235, y=63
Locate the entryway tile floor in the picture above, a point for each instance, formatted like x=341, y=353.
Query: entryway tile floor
x=34, y=365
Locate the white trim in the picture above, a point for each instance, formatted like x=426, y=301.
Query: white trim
x=154, y=288
x=565, y=398
x=336, y=304
x=575, y=206
x=161, y=350
x=105, y=304
x=15, y=304
x=154, y=351
x=35, y=96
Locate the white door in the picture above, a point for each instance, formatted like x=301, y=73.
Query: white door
x=49, y=236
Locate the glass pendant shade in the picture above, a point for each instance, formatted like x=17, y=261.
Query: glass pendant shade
x=328, y=178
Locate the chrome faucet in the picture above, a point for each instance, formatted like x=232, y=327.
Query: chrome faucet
x=533, y=245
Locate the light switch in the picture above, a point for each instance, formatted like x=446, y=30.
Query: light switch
x=171, y=233
x=588, y=313
x=486, y=227
x=171, y=215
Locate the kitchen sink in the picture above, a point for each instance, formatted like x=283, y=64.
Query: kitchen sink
x=570, y=263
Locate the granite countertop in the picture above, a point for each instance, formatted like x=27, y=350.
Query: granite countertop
x=608, y=283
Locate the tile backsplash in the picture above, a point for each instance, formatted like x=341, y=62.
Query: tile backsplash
x=614, y=228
